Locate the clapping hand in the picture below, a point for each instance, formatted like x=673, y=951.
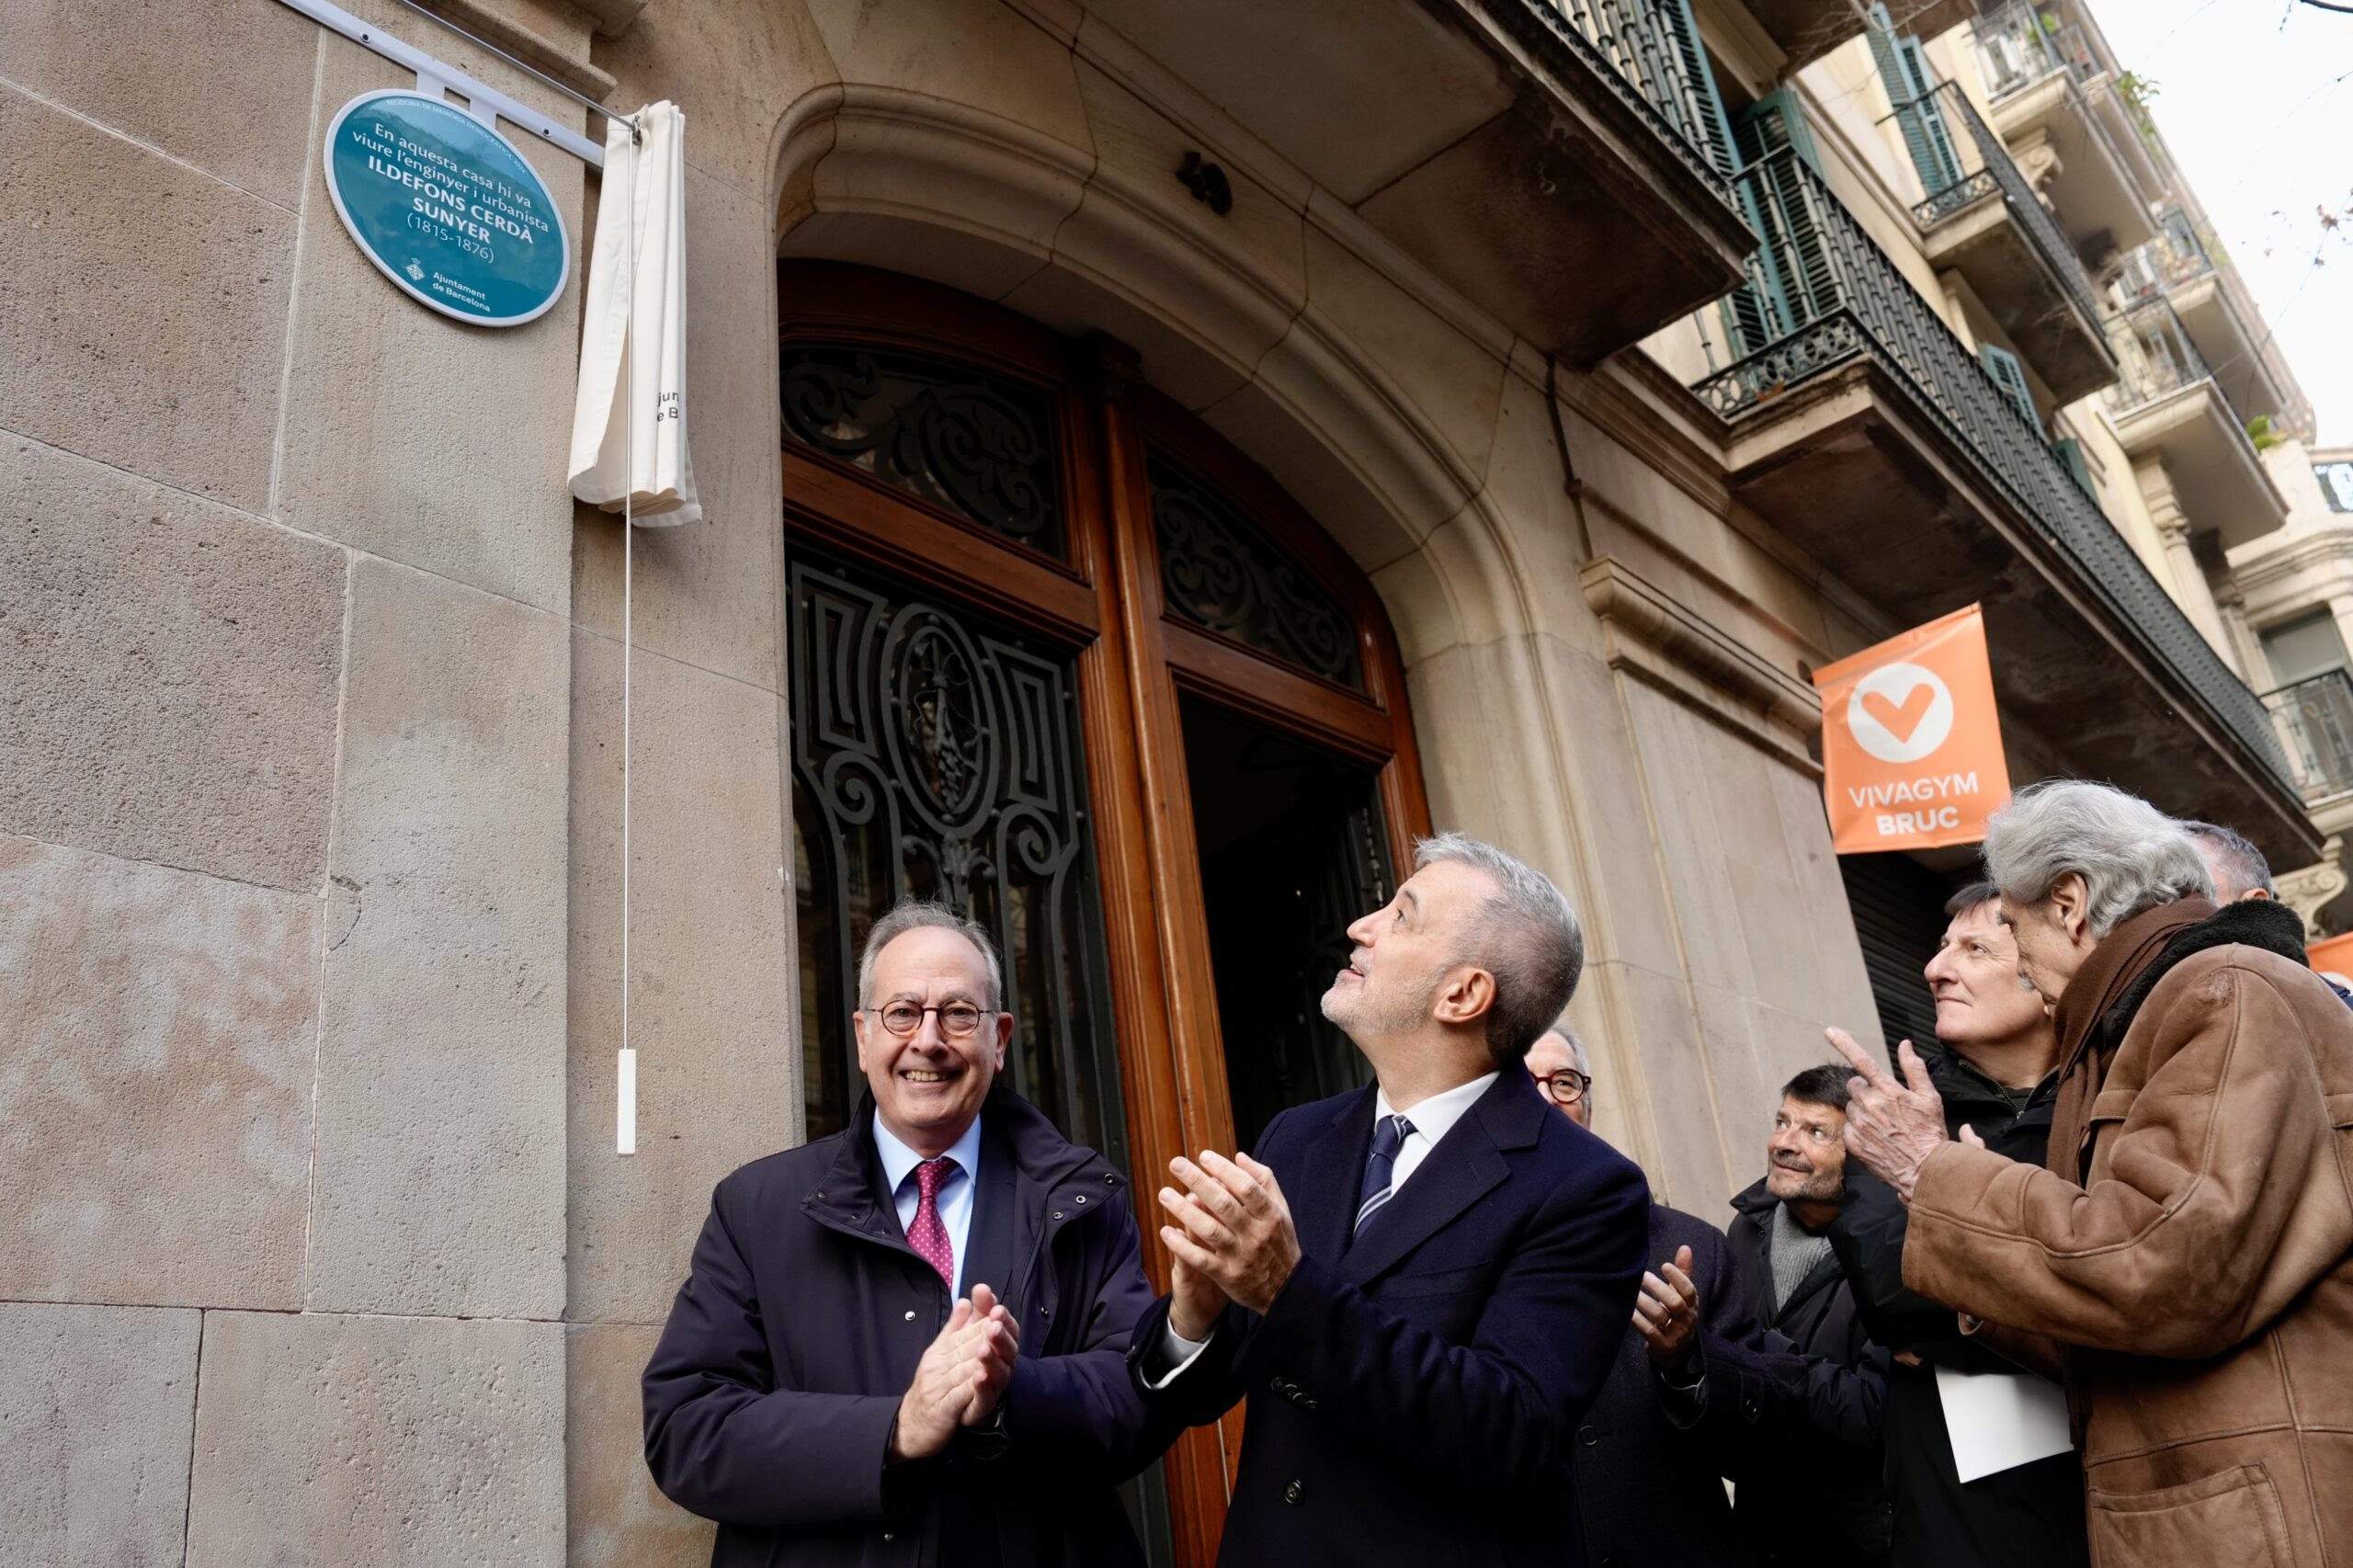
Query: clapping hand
x=1891, y=1127
x=1233, y=1229
x=963, y=1375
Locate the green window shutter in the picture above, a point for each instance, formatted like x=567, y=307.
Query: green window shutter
x=2070, y=453
x=1699, y=95
x=1903, y=67
x=1791, y=283
x=2002, y=368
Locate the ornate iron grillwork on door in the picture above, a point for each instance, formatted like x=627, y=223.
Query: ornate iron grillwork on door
x=978, y=446
x=935, y=756
x=1219, y=570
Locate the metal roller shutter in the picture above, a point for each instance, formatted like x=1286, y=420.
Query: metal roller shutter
x=1898, y=907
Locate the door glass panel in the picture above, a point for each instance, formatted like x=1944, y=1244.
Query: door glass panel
x=977, y=446
x=936, y=755
x=1219, y=570
x=1293, y=849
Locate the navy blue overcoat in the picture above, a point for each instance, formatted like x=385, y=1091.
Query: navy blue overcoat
x=769, y=1399
x=1412, y=1391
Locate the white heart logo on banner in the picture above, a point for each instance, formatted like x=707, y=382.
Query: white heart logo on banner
x=1900, y=712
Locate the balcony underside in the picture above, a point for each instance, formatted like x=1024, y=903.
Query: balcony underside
x=2092, y=190
x=1985, y=244
x=2216, y=476
x=1493, y=148
x=2221, y=340
x=1808, y=29
x=1852, y=472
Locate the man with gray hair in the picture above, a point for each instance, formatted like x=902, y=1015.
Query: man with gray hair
x=2186, y=1260
x=2238, y=867
x=1421, y=1285
x=907, y=1342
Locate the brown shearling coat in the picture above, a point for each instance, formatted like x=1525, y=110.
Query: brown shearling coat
x=2199, y=1276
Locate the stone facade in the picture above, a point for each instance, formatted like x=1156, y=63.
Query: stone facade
x=310, y=758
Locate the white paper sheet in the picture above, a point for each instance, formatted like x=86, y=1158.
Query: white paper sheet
x=2000, y=1420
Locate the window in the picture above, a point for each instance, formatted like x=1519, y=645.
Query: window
x=2002, y=368
x=2305, y=647
x=1911, y=87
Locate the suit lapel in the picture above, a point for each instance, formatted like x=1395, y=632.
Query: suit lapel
x=989, y=1243
x=1467, y=1165
x=1323, y=1198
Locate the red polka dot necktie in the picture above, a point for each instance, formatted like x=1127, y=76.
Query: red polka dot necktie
x=927, y=1235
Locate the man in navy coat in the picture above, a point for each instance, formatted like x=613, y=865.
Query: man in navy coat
x=1418, y=1286
x=907, y=1343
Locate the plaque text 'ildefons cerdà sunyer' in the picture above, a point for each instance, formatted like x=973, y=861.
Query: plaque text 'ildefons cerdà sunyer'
x=446, y=209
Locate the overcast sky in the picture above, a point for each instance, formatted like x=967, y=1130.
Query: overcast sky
x=2256, y=99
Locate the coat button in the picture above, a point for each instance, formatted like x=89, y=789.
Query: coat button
x=1588, y=1437
x=888, y=1536
x=1293, y=1492
x=1080, y=1198
x=911, y=1317
x=1110, y=1180
x=1058, y=1213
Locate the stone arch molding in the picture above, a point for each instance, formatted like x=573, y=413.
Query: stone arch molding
x=960, y=196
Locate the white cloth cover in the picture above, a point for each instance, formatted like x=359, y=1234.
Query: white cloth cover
x=641, y=241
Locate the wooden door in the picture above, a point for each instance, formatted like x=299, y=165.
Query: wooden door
x=1010, y=567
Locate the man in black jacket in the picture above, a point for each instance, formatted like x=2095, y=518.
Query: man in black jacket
x=1819, y=1499
x=906, y=1344
x=1688, y=1400
x=1996, y=1075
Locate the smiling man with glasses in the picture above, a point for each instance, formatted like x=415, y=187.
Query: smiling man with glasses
x=907, y=1343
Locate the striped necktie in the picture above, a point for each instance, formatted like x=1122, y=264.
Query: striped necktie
x=1389, y=1135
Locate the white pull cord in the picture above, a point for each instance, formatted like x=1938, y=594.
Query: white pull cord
x=625, y=1074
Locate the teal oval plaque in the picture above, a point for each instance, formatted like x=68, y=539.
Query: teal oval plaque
x=446, y=209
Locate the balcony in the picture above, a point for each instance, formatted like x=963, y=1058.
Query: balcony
x=1808, y=29
x=1870, y=437
x=1988, y=226
x=1564, y=163
x=2315, y=723
x=2166, y=406
x=2175, y=267
x=2057, y=106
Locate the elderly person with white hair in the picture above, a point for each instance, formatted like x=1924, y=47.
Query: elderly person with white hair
x=2187, y=1246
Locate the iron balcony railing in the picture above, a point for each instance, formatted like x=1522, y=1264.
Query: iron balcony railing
x=2315, y=725
x=1993, y=172
x=2020, y=45
x=1850, y=301
x=1648, y=53
x=2156, y=358
x=2155, y=270
x=2174, y=258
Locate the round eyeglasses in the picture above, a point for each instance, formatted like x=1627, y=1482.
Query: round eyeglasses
x=1564, y=1087
x=956, y=1019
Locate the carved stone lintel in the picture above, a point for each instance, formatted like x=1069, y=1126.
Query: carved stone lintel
x=1662, y=642
x=2312, y=888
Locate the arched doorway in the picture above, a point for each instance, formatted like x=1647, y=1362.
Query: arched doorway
x=1063, y=658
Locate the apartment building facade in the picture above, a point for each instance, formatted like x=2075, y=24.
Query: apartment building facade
x=1159, y=458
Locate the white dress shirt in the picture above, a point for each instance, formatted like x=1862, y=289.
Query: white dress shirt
x=955, y=1199
x=1433, y=1118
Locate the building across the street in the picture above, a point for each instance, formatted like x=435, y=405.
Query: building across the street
x=1160, y=457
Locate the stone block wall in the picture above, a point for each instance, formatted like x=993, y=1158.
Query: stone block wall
x=286, y=656
x=311, y=740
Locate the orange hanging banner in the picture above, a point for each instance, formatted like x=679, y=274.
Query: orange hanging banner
x=2332, y=955
x=1911, y=741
